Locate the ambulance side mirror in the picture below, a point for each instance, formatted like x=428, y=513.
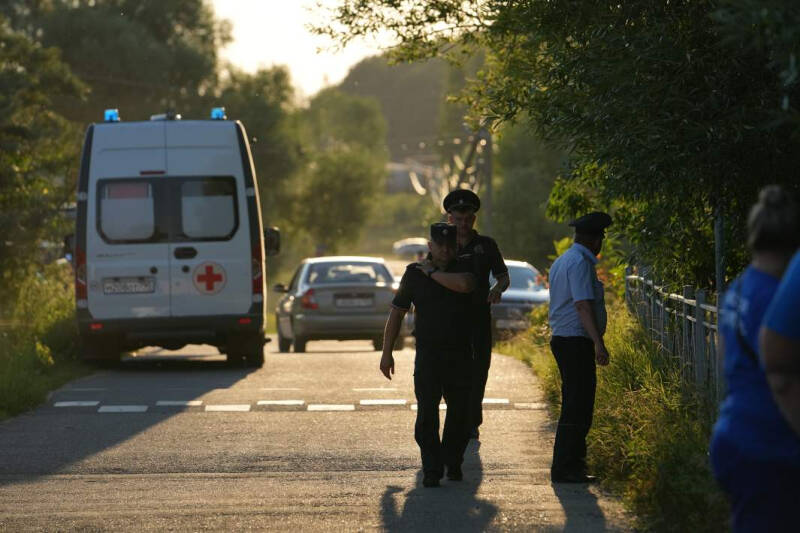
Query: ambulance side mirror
x=272, y=240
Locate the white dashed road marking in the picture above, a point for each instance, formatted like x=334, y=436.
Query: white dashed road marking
x=331, y=407
x=239, y=408
x=75, y=404
x=280, y=388
x=496, y=401
x=122, y=409
x=281, y=402
x=531, y=405
x=383, y=402
x=442, y=407
x=179, y=403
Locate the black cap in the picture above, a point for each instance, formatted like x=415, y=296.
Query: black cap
x=443, y=233
x=592, y=224
x=461, y=199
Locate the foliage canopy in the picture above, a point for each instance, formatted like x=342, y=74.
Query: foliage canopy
x=669, y=110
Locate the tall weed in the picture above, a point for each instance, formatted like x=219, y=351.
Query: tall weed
x=649, y=436
x=39, y=342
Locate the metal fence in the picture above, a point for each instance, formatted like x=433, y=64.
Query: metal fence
x=684, y=326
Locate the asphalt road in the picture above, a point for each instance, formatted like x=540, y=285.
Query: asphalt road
x=314, y=441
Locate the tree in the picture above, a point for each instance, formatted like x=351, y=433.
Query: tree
x=345, y=138
x=142, y=57
x=667, y=120
x=527, y=168
x=38, y=155
x=263, y=101
x=338, y=196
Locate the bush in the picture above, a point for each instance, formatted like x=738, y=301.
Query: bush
x=39, y=345
x=650, y=435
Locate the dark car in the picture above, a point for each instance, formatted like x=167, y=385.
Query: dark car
x=527, y=290
x=337, y=297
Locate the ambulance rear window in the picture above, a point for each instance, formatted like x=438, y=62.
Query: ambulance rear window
x=127, y=211
x=208, y=208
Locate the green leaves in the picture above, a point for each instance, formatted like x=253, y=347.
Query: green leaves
x=667, y=109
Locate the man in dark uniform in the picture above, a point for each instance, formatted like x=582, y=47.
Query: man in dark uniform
x=461, y=206
x=577, y=317
x=440, y=291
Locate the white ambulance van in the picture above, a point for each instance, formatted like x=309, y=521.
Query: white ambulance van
x=169, y=243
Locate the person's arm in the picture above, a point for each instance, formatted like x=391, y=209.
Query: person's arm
x=455, y=281
x=390, y=333
x=496, y=292
x=779, y=345
x=586, y=314
x=781, y=357
x=500, y=272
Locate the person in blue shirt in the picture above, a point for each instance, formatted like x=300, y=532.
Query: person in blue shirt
x=780, y=345
x=755, y=455
x=577, y=316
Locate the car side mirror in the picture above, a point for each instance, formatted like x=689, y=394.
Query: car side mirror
x=272, y=240
x=280, y=287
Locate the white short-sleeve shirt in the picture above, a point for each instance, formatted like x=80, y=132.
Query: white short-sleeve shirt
x=573, y=278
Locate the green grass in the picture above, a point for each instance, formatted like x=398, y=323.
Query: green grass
x=38, y=343
x=649, y=438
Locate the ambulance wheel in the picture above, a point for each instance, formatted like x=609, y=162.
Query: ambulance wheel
x=299, y=344
x=103, y=355
x=255, y=359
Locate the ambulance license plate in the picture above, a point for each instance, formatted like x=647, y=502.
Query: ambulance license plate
x=138, y=285
x=353, y=302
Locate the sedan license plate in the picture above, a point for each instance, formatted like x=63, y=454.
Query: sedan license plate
x=511, y=324
x=353, y=302
x=138, y=285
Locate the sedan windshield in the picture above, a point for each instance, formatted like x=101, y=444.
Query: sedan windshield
x=524, y=278
x=348, y=273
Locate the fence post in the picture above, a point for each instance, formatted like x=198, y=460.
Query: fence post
x=664, y=320
x=628, y=271
x=685, y=324
x=700, y=338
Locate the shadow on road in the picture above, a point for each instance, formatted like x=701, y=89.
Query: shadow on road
x=452, y=507
x=53, y=440
x=581, y=510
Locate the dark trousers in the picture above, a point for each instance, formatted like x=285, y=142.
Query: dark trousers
x=440, y=373
x=576, y=364
x=763, y=492
x=482, y=346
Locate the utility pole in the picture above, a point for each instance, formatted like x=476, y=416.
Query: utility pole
x=486, y=159
x=719, y=249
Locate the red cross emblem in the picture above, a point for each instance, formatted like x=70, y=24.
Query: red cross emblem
x=209, y=278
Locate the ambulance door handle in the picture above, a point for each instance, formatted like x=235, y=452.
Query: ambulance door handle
x=185, y=252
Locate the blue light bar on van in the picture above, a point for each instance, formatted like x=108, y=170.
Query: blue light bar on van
x=112, y=115
x=218, y=113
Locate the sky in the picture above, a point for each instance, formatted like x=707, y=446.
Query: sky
x=273, y=32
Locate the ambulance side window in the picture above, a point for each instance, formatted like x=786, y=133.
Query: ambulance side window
x=126, y=210
x=208, y=208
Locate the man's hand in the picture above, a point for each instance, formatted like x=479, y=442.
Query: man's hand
x=387, y=365
x=601, y=354
x=494, y=296
x=426, y=267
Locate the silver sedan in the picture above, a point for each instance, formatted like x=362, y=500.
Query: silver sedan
x=337, y=297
